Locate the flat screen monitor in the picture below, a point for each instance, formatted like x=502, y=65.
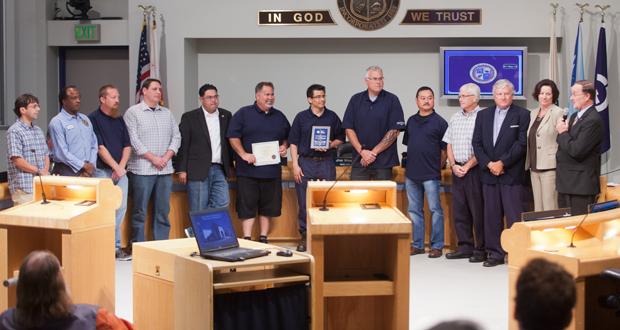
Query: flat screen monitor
x=482, y=66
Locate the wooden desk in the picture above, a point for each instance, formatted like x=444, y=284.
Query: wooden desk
x=597, y=248
x=81, y=237
x=172, y=290
x=362, y=256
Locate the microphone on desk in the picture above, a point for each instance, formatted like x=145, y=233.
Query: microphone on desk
x=324, y=207
x=594, y=208
x=40, y=179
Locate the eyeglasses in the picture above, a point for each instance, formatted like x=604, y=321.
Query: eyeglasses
x=375, y=78
x=211, y=98
x=464, y=96
x=318, y=97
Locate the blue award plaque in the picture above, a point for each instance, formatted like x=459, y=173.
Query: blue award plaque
x=320, y=137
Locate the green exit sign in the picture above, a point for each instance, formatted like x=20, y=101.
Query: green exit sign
x=87, y=32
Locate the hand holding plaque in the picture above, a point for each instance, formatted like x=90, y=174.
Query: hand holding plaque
x=320, y=137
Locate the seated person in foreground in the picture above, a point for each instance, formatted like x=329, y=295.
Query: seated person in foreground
x=44, y=303
x=545, y=298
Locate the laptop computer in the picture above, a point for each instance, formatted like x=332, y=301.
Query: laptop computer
x=216, y=236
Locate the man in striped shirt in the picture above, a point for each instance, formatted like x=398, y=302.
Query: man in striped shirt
x=155, y=138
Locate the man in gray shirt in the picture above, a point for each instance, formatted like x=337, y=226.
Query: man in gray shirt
x=155, y=138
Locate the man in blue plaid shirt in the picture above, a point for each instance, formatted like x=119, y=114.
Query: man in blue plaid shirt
x=27, y=150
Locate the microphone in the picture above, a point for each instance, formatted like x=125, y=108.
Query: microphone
x=40, y=179
x=324, y=207
x=565, y=114
x=9, y=282
x=598, y=207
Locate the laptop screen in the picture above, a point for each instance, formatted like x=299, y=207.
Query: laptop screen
x=213, y=230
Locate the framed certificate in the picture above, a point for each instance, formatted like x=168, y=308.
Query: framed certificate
x=266, y=153
x=320, y=137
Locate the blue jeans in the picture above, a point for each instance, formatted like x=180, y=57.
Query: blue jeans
x=415, y=196
x=212, y=192
x=143, y=186
x=120, y=213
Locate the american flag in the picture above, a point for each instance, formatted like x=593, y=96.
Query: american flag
x=144, y=71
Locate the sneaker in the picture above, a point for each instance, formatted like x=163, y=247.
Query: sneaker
x=435, y=253
x=414, y=251
x=122, y=255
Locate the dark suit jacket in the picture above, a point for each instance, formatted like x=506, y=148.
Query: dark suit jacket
x=510, y=147
x=194, y=156
x=579, y=155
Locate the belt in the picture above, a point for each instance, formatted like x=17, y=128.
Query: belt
x=316, y=158
x=460, y=163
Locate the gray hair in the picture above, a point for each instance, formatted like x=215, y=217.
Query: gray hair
x=373, y=68
x=502, y=83
x=471, y=89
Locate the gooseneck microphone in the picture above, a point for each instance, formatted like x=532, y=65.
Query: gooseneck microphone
x=45, y=201
x=594, y=208
x=324, y=207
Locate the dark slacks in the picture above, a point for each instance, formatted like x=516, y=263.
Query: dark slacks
x=500, y=200
x=467, y=206
x=365, y=173
x=578, y=203
x=313, y=170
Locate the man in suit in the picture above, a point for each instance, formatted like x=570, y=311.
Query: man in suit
x=499, y=143
x=205, y=159
x=579, y=151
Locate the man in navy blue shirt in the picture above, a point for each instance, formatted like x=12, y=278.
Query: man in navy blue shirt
x=372, y=121
x=423, y=137
x=259, y=188
x=114, y=151
x=313, y=163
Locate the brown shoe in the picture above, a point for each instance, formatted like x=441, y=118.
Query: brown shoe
x=413, y=251
x=435, y=253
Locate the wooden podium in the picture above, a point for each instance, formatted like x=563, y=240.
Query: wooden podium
x=597, y=247
x=77, y=225
x=361, y=256
x=173, y=290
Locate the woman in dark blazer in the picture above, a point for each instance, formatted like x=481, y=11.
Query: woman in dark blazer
x=542, y=145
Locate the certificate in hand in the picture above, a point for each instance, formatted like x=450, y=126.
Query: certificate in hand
x=320, y=137
x=266, y=153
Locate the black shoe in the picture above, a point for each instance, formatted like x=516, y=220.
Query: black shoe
x=263, y=239
x=301, y=247
x=458, y=255
x=493, y=262
x=477, y=258
x=415, y=251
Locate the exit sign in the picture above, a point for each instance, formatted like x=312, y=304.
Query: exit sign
x=87, y=32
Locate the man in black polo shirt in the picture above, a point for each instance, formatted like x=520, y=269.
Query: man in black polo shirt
x=423, y=137
x=313, y=163
x=259, y=188
x=372, y=121
x=114, y=151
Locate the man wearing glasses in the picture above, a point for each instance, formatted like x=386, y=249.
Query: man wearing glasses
x=579, y=151
x=205, y=158
x=500, y=142
x=372, y=121
x=466, y=186
x=311, y=162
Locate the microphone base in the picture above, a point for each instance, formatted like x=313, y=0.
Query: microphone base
x=572, y=245
x=45, y=201
x=324, y=208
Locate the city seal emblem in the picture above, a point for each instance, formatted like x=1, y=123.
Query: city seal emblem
x=368, y=15
x=483, y=73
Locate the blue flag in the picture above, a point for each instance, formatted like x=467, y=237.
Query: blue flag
x=577, y=73
x=600, y=83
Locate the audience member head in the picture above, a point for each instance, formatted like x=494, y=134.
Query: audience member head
x=545, y=296
x=374, y=79
x=41, y=293
x=316, y=96
x=583, y=94
x=469, y=96
x=503, y=91
x=425, y=99
x=151, y=92
x=109, y=99
x=546, y=92
x=456, y=325
x=209, y=98
x=27, y=105
x=265, y=97
x=69, y=98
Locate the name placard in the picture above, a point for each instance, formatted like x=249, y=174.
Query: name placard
x=295, y=17
x=443, y=16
